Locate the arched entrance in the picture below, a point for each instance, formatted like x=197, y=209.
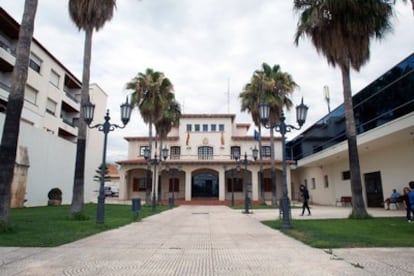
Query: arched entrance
x=205, y=184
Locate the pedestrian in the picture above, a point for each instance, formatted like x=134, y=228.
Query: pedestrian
x=410, y=200
x=406, y=202
x=305, y=196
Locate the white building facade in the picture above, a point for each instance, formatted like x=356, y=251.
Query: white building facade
x=201, y=163
x=48, y=130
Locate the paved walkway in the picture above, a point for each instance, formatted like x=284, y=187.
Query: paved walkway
x=205, y=240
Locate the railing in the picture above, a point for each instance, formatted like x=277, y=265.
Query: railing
x=68, y=121
x=7, y=48
x=5, y=86
x=70, y=95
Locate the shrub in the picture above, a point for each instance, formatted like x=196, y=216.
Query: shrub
x=55, y=194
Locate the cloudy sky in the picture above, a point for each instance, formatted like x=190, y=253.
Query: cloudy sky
x=208, y=49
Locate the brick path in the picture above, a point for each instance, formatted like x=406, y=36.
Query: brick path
x=198, y=240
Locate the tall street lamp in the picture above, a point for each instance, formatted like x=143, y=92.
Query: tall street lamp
x=283, y=128
x=88, y=112
x=246, y=186
x=155, y=162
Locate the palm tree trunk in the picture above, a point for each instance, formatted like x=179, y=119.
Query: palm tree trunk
x=261, y=179
x=358, y=206
x=79, y=176
x=9, y=140
x=273, y=165
x=148, y=182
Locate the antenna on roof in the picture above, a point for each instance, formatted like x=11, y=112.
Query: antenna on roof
x=327, y=97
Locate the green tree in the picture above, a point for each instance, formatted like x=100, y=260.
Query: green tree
x=272, y=85
x=341, y=30
x=88, y=15
x=9, y=140
x=150, y=91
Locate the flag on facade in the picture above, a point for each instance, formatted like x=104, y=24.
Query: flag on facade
x=256, y=135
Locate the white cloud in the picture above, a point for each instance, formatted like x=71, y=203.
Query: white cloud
x=201, y=46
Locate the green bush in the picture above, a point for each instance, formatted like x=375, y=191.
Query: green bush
x=55, y=194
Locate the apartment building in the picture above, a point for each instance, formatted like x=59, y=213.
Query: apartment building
x=48, y=131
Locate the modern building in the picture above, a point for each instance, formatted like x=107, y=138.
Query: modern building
x=48, y=131
x=201, y=160
x=384, y=114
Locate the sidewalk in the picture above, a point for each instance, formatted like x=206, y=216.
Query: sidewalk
x=204, y=240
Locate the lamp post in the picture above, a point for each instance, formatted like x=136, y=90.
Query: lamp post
x=245, y=162
x=283, y=128
x=155, y=162
x=88, y=111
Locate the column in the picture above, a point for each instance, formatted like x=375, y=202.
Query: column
x=187, y=185
x=222, y=184
x=255, y=184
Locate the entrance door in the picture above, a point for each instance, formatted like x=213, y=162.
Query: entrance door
x=205, y=185
x=373, y=188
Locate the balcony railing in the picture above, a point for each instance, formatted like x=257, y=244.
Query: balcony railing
x=7, y=48
x=4, y=86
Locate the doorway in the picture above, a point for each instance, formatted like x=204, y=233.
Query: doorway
x=373, y=188
x=205, y=185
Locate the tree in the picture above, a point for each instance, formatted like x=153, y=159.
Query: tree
x=273, y=86
x=341, y=30
x=9, y=140
x=88, y=15
x=149, y=95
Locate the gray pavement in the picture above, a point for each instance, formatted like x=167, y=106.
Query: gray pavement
x=206, y=240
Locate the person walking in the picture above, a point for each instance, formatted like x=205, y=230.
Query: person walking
x=305, y=196
x=406, y=202
x=410, y=200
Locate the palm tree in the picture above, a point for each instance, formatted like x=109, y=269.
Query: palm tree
x=170, y=117
x=88, y=15
x=341, y=30
x=9, y=140
x=149, y=90
x=250, y=99
x=273, y=86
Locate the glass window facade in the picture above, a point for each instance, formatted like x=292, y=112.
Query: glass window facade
x=389, y=97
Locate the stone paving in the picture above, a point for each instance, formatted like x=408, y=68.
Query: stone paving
x=205, y=240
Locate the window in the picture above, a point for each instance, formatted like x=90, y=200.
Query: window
x=30, y=95
x=221, y=127
x=141, y=150
x=175, y=153
x=306, y=182
x=313, y=183
x=205, y=127
x=233, y=151
x=237, y=184
x=139, y=184
x=35, y=62
x=54, y=78
x=189, y=127
x=196, y=127
x=267, y=184
x=266, y=152
x=213, y=127
x=326, y=181
x=346, y=175
x=205, y=153
x=51, y=106
x=174, y=182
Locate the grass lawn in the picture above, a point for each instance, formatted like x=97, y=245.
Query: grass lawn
x=51, y=226
x=348, y=233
